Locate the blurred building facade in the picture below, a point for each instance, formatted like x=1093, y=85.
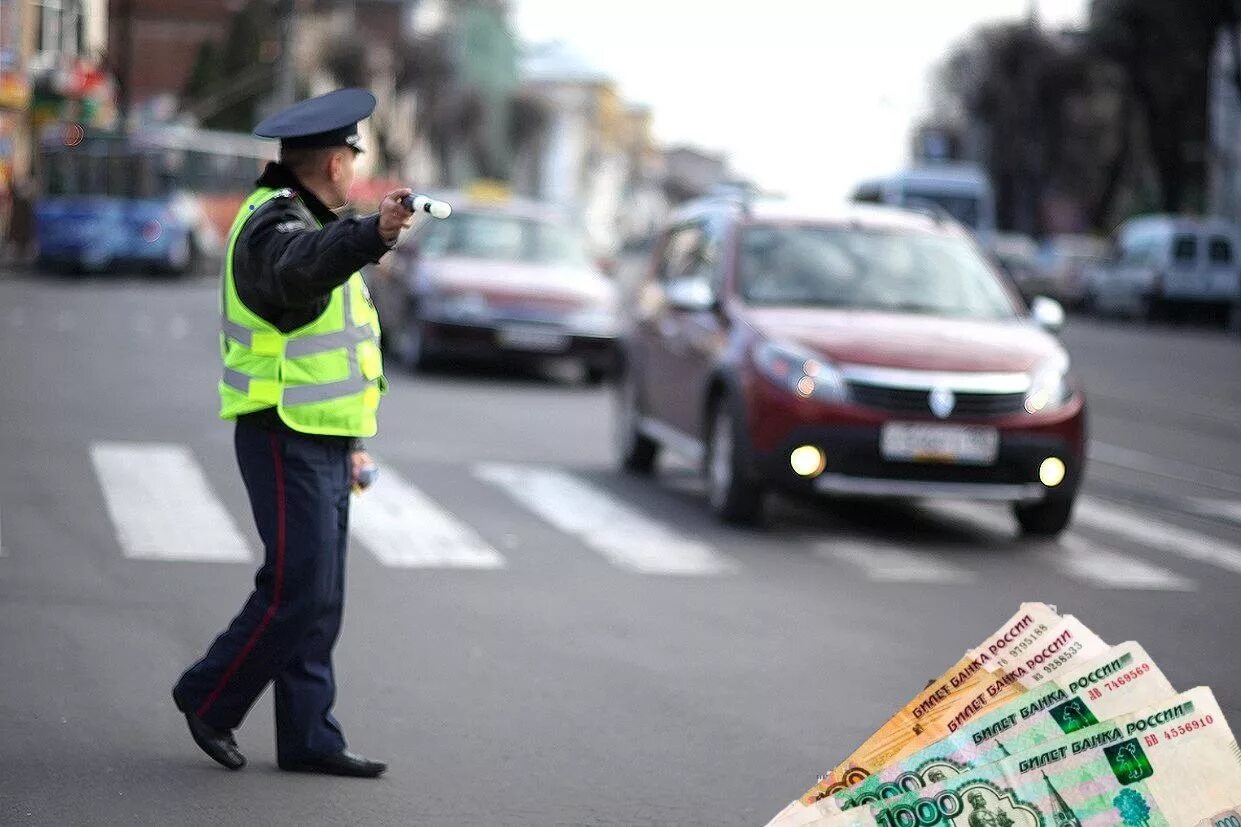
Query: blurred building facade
x=51, y=72
x=154, y=44
x=595, y=155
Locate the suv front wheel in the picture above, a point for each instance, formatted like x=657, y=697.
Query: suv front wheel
x=1044, y=519
x=735, y=496
x=635, y=451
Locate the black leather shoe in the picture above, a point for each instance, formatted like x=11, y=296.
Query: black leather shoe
x=342, y=763
x=219, y=745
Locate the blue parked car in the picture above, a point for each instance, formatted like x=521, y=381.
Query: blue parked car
x=107, y=204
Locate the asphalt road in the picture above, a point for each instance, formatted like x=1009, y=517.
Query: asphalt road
x=531, y=637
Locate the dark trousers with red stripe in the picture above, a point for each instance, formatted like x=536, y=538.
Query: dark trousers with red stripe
x=299, y=491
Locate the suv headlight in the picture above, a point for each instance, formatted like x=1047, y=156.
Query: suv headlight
x=800, y=371
x=1049, y=385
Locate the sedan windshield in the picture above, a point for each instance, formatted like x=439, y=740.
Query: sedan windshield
x=504, y=238
x=817, y=266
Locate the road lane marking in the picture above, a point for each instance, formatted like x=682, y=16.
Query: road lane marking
x=623, y=535
x=1072, y=554
x=1107, y=568
x=1222, y=509
x=887, y=563
x=404, y=528
x=1132, y=460
x=1157, y=534
x=162, y=506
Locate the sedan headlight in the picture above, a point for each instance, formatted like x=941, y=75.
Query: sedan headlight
x=1050, y=386
x=462, y=307
x=800, y=371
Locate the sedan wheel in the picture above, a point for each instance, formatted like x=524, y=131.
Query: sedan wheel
x=733, y=495
x=411, y=344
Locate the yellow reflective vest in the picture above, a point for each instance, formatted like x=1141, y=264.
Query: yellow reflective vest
x=325, y=377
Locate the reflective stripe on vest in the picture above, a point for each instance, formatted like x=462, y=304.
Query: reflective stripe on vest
x=260, y=360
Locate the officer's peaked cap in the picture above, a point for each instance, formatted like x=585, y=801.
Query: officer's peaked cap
x=324, y=121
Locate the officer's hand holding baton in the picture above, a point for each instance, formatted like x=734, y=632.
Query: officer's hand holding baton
x=396, y=212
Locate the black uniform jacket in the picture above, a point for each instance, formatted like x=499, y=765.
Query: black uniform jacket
x=290, y=256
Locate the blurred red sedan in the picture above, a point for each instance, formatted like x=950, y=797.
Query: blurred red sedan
x=501, y=279
x=867, y=352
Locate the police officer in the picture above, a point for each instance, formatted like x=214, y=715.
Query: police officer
x=302, y=378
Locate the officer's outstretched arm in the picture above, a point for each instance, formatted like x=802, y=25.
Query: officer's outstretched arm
x=296, y=264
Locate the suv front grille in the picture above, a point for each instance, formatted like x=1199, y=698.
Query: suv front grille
x=907, y=400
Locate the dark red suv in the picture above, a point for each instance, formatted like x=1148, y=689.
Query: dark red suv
x=864, y=352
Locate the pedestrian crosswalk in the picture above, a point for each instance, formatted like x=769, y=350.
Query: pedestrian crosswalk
x=619, y=532
x=405, y=528
x=162, y=505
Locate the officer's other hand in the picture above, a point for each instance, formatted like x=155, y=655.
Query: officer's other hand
x=393, y=217
x=358, y=461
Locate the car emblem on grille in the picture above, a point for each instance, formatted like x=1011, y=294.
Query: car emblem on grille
x=942, y=401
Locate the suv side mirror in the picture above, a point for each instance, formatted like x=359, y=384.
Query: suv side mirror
x=690, y=293
x=1047, y=313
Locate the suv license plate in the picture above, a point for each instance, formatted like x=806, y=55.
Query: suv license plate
x=959, y=444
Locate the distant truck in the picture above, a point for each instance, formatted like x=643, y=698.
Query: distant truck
x=960, y=189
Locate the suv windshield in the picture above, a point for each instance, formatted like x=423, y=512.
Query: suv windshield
x=503, y=237
x=817, y=266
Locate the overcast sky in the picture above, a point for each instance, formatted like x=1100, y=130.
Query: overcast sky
x=805, y=96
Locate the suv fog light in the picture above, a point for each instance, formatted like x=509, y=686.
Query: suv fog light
x=1051, y=472
x=807, y=461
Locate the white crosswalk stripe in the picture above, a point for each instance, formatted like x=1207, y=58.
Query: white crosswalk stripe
x=620, y=533
x=1072, y=554
x=886, y=563
x=1157, y=534
x=404, y=528
x=162, y=506
x=1109, y=569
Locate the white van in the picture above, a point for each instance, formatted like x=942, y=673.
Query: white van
x=961, y=190
x=1159, y=262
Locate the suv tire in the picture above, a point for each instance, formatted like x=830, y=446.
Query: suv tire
x=1044, y=519
x=635, y=451
x=732, y=492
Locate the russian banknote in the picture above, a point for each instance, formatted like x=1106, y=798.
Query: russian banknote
x=1123, y=680
x=1173, y=764
x=1018, y=634
x=1033, y=655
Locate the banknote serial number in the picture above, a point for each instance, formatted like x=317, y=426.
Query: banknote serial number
x=1188, y=727
x=1131, y=675
x=1063, y=658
